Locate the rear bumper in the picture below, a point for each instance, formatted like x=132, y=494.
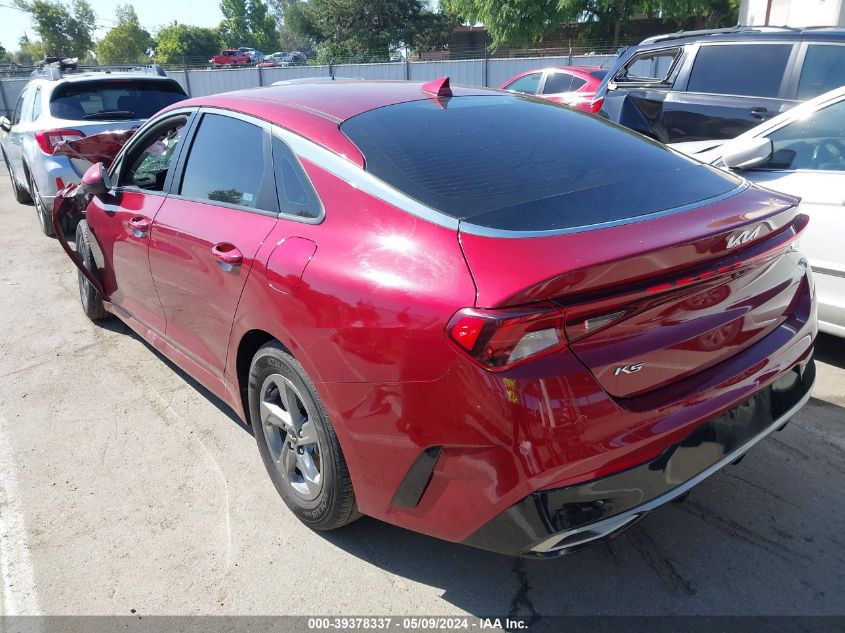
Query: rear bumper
x=550, y=523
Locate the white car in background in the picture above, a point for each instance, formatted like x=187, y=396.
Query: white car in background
x=802, y=153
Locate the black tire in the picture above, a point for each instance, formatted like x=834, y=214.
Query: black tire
x=21, y=194
x=334, y=506
x=45, y=219
x=92, y=302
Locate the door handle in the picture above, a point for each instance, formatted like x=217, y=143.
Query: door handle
x=760, y=112
x=227, y=255
x=140, y=226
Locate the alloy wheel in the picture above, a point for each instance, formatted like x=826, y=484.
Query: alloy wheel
x=291, y=436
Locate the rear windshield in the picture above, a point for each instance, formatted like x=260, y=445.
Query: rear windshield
x=516, y=163
x=114, y=99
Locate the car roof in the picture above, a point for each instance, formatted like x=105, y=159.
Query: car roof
x=316, y=109
x=334, y=100
x=744, y=34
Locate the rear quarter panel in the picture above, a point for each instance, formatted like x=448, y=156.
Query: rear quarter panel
x=374, y=298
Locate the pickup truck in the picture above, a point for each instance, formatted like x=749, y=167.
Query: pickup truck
x=230, y=57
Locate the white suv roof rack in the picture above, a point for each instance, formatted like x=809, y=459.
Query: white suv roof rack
x=54, y=69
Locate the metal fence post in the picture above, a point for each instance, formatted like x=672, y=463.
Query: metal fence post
x=3, y=95
x=407, y=68
x=260, y=76
x=486, y=67
x=187, y=77
x=331, y=70
x=570, y=53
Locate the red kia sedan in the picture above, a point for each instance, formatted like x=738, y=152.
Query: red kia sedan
x=571, y=85
x=485, y=317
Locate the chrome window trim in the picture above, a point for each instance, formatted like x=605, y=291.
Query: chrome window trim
x=484, y=231
x=359, y=178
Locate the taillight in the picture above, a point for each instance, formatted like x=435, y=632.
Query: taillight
x=48, y=139
x=596, y=104
x=499, y=339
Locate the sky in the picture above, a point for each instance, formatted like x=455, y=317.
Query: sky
x=151, y=13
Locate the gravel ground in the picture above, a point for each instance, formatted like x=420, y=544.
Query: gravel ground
x=125, y=487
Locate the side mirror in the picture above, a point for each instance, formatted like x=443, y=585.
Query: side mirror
x=5, y=124
x=746, y=153
x=96, y=181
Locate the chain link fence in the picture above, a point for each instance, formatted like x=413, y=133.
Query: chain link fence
x=469, y=66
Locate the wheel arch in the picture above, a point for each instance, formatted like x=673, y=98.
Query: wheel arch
x=249, y=344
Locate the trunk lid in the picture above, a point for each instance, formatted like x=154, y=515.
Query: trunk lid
x=656, y=300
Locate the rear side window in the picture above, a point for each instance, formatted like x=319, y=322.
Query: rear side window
x=526, y=85
x=294, y=190
x=226, y=163
x=824, y=69
x=649, y=67
x=752, y=70
x=509, y=162
x=598, y=74
x=114, y=99
x=561, y=82
x=36, y=105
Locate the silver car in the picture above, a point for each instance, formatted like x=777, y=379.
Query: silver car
x=55, y=107
x=802, y=153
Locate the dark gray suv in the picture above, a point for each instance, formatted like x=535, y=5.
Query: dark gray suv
x=702, y=85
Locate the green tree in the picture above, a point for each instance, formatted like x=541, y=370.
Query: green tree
x=65, y=31
x=176, y=42
x=29, y=53
x=363, y=29
x=248, y=23
x=529, y=21
x=288, y=39
x=127, y=42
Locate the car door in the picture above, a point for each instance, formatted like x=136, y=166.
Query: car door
x=206, y=234
x=636, y=94
x=726, y=89
x=808, y=160
x=122, y=221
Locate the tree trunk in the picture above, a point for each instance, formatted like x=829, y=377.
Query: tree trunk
x=617, y=23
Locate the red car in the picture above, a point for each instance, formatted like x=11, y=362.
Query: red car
x=571, y=85
x=477, y=315
x=231, y=57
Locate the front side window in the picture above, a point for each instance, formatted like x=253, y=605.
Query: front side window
x=816, y=142
x=16, y=117
x=649, y=67
x=751, y=70
x=526, y=85
x=824, y=69
x=226, y=163
x=150, y=162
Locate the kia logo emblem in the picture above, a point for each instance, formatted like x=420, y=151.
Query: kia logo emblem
x=746, y=236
